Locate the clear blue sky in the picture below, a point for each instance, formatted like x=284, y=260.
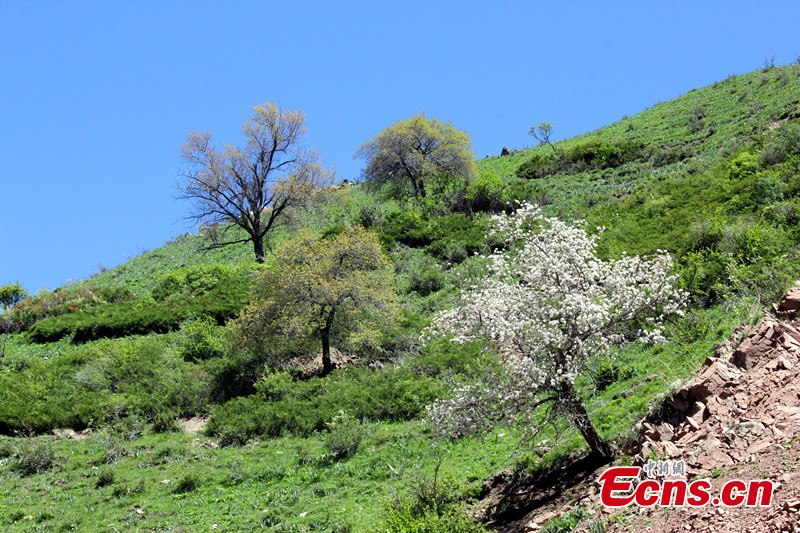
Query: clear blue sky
x=97, y=97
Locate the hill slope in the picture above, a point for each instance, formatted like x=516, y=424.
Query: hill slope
x=711, y=176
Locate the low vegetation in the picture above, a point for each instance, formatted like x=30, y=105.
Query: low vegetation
x=171, y=339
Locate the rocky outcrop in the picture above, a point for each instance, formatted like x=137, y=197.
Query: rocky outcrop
x=789, y=304
x=744, y=402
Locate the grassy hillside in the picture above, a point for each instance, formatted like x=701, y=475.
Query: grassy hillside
x=711, y=176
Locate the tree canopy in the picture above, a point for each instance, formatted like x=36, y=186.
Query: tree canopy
x=550, y=306
x=339, y=287
x=11, y=295
x=416, y=149
x=251, y=186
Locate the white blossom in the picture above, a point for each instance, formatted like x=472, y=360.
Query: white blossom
x=548, y=305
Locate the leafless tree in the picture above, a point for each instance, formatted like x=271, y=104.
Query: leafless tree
x=251, y=186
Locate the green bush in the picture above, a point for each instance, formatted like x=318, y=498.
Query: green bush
x=418, y=271
x=396, y=394
x=430, y=505
x=608, y=372
x=567, y=522
x=743, y=166
x=538, y=165
x=782, y=145
x=592, y=154
x=142, y=316
x=660, y=156
x=343, y=436
x=274, y=385
x=451, y=237
x=397, y=227
x=32, y=456
x=63, y=301
x=188, y=483
x=193, y=280
x=201, y=338
x=119, y=381
x=402, y=519
x=487, y=193
x=440, y=357
x=104, y=478
x=165, y=423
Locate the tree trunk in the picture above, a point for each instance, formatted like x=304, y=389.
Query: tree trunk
x=577, y=413
x=325, y=334
x=327, y=364
x=258, y=248
x=419, y=185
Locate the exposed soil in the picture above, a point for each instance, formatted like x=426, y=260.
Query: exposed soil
x=194, y=425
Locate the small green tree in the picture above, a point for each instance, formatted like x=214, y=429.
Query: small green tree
x=11, y=295
x=324, y=288
x=542, y=133
x=416, y=149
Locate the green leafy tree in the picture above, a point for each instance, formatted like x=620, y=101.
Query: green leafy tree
x=542, y=133
x=11, y=295
x=414, y=150
x=324, y=288
x=253, y=185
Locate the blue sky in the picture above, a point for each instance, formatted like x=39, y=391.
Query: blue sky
x=97, y=97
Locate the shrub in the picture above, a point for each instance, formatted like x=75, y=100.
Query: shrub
x=439, y=357
x=236, y=374
x=193, y=280
x=395, y=394
x=538, y=165
x=398, y=226
x=743, y=166
x=400, y=518
x=660, y=156
x=165, y=423
x=126, y=382
x=274, y=385
x=452, y=237
x=201, y=339
x=609, y=372
x=592, y=154
x=782, y=145
x=62, y=301
x=104, y=478
x=188, y=483
x=487, y=193
x=32, y=456
x=599, y=154
x=142, y=316
x=696, y=116
x=430, y=505
x=343, y=436
x=420, y=271
x=567, y=522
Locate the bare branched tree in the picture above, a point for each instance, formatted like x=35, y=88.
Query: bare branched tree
x=542, y=133
x=251, y=186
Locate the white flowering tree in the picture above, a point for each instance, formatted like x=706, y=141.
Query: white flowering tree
x=549, y=305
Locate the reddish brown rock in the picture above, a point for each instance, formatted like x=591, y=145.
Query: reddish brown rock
x=789, y=304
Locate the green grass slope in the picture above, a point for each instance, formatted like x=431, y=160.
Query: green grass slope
x=711, y=176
